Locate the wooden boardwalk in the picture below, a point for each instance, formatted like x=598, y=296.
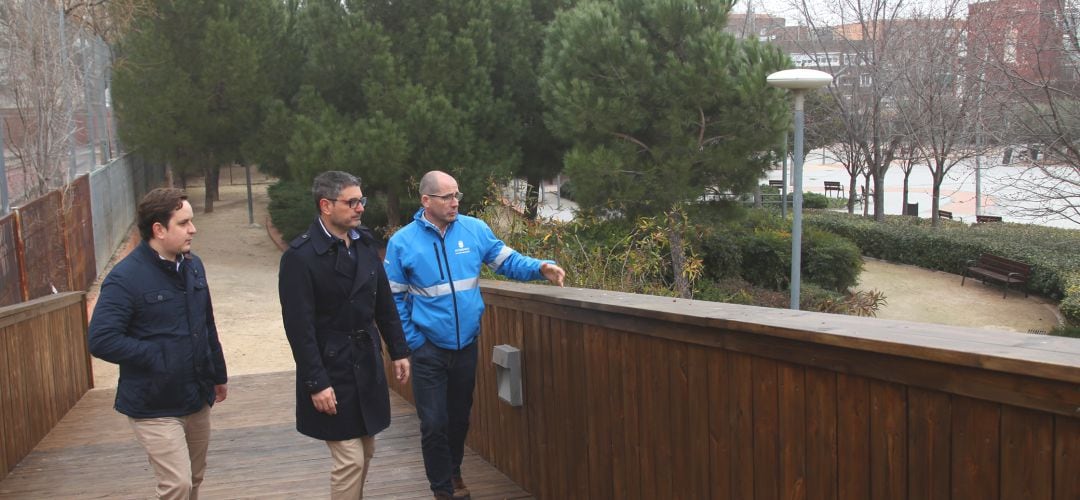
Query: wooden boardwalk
x=255, y=452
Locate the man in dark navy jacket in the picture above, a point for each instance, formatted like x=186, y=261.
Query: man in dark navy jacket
x=333, y=291
x=154, y=318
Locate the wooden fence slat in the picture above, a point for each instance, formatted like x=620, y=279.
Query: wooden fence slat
x=853, y=441
x=697, y=424
x=721, y=422
x=1066, y=458
x=598, y=415
x=888, y=441
x=620, y=455
x=821, y=429
x=744, y=468
x=975, y=463
x=929, y=444
x=793, y=425
x=1027, y=454
x=766, y=428
x=632, y=430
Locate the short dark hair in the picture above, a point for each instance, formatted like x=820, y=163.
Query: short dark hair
x=330, y=183
x=158, y=206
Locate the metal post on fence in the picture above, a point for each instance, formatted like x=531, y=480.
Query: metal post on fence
x=91, y=130
x=251, y=202
x=73, y=168
x=5, y=204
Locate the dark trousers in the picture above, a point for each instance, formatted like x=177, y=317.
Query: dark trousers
x=442, y=382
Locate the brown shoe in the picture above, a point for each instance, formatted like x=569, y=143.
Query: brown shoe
x=460, y=490
x=441, y=496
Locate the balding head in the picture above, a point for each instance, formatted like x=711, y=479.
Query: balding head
x=433, y=181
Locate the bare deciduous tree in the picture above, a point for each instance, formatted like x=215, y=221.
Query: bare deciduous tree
x=1032, y=75
x=39, y=82
x=935, y=100
x=859, y=53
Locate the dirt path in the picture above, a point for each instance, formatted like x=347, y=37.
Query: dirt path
x=917, y=294
x=242, y=266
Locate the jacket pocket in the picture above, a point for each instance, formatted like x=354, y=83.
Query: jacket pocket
x=160, y=312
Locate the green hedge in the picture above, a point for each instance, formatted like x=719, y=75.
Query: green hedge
x=756, y=247
x=291, y=208
x=909, y=240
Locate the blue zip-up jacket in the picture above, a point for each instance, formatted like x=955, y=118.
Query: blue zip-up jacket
x=436, y=279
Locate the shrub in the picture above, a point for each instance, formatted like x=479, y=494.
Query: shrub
x=291, y=208
x=831, y=261
x=766, y=258
x=721, y=253
x=815, y=200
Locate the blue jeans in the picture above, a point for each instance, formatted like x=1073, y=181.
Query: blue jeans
x=442, y=382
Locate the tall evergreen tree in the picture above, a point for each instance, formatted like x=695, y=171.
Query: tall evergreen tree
x=190, y=82
x=659, y=103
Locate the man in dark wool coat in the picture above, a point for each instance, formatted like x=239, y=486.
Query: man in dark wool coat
x=333, y=292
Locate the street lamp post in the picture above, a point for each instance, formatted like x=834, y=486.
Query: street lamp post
x=798, y=81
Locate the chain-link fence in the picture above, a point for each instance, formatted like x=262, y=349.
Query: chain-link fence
x=56, y=120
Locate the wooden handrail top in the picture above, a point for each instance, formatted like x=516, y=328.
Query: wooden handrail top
x=16, y=312
x=1053, y=358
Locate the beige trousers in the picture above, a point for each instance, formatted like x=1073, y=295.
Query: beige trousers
x=351, y=460
x=176, y=448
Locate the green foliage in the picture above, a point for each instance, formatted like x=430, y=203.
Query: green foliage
x=908, y=240
x=815, y=200
x=291, y=207
x=658, y=102
x=766, y=258
x=191, y=78
x=832, y=261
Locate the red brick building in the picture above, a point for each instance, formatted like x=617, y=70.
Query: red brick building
x=1020, y=38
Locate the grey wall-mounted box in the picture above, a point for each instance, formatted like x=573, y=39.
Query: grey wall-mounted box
x=507, y=360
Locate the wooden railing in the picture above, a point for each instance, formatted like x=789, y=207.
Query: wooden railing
x=44, y=370
x=631, y=396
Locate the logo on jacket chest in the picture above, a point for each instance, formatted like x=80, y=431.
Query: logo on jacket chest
x=461, y=248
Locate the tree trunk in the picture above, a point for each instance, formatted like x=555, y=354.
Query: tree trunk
x=879, y=198
x=678, y=259
x=393, y=209
x=934, y=203
x=533, y=185
x=903, y=207
x=852, y=195
x=210, y=185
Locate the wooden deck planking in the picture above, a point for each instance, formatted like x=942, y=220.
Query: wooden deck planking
x=255, y=452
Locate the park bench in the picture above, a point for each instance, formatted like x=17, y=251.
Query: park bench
x=776, y=183
x=833, y=186
x=1005, y=271
x=945, y=214
x=986, y=218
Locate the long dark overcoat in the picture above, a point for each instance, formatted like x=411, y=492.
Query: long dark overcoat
x=330, y=315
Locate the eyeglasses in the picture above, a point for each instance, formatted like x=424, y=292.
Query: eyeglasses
x=353, y=202
x=448, y=196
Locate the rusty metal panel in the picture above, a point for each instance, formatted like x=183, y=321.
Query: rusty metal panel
x=45, y=261
x=79, y=233
x=10, y=276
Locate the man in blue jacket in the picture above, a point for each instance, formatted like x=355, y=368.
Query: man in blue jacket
x=154, y=318
x=434, y=269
